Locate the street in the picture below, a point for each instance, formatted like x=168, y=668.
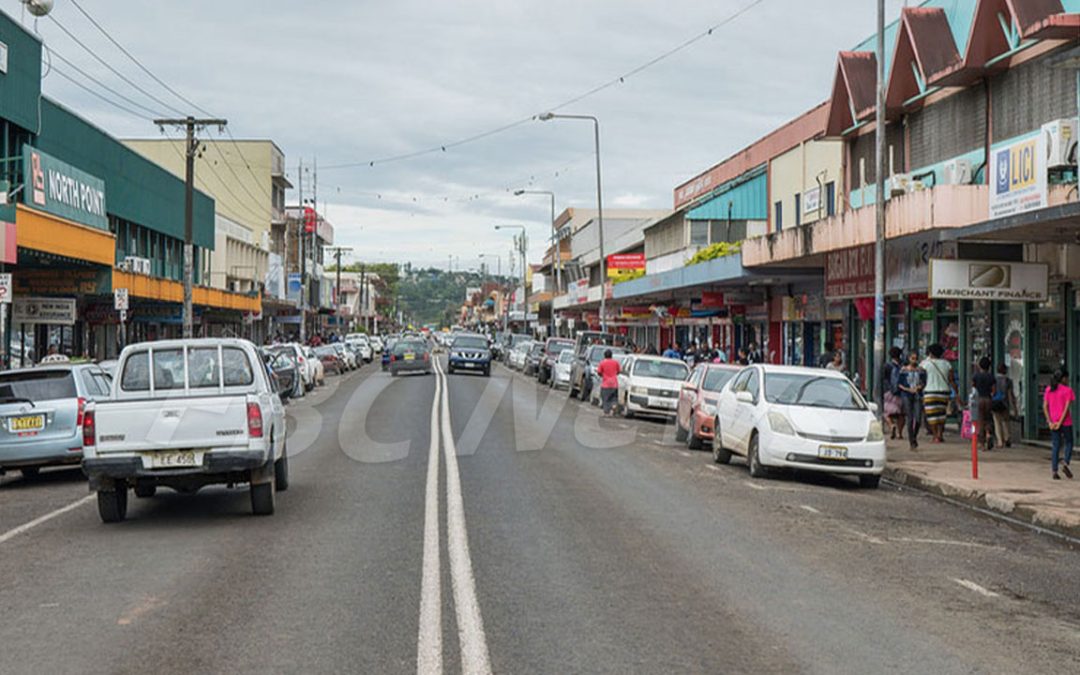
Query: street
x=638, y=558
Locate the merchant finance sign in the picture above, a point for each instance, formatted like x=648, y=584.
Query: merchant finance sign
x=62, y=190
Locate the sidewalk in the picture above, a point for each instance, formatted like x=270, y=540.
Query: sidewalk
x=1014, y=481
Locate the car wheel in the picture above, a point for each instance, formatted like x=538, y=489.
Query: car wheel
x=112, y=504
x=720, y=454
x=757, y=470
x=869, y=482
x=30, y=472
x=693, y=441
x=680, y=432
x=626, y=411
x=262, y=498
x=145, y=490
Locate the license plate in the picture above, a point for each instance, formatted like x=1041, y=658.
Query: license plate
x=173, y=460
x=28, y=423
x=832, y=452
x=410, y=357
x=469, y=365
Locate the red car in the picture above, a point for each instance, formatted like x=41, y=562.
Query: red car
x=695, y=419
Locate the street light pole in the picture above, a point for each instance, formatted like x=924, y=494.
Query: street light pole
x=556, y=262
x=599, y=208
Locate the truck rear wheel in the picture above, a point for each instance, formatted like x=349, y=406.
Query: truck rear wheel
x=281, y=472
x=262, y=498
x=112, y=504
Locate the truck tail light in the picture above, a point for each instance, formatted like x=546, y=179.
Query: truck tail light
x=89, y=429
x=82, y=409
x=255, y=420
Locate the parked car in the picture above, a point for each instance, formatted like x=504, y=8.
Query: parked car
x=361, y=345
x=650, y=385
x=377, y=344
x=411, y=356
x=799, y=418
x=331, y=361
x=469, y=352
x=531, y=364
x=315, y=364
x=42, y=414
x=511, y=342
x=306, y=381
x=348, y=358
x=184, y=414
x=552, y=348
x=560, y=373
x=518, y=355
x=584, y=367
x=697, y=403
x=285, y=373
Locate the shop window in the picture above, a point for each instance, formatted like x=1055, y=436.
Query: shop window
x=778, y=220
x=699, y=233
x=830, y=198
x=798, y=209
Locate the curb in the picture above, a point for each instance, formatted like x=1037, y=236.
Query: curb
x=996, y=504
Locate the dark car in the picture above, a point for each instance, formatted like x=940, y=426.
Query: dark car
x=410, y=356
x=330, y=359
x=581, y=380
x=552, y=348
x=532, y=359
x=284, y=372
x=470, y=352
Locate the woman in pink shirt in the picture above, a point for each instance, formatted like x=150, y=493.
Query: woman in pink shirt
x=1057, y=402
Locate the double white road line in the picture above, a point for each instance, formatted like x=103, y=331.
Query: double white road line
x=429, y=651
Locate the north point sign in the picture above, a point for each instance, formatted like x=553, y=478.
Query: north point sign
x=62, y=190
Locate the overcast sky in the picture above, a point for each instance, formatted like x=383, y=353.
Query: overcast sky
x=355, y=81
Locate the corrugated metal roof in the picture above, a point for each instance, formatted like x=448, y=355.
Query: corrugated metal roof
x=744, y=198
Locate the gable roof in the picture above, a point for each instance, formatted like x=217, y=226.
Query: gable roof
x=925, y=52
x=854, y=91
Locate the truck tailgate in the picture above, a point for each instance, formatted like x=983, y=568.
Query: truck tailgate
x=171, y=424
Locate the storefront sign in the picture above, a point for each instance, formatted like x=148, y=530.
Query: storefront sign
x=907, y=261
x=62, y=190
x=712, y=299
x=5, y=287
x=811, y=201
x=636, y=312
x=50, y=311
x=988, y=280
x=120, y=299
x=849, y=273
x=625, y=266
x=578, y=291
x=1018, y=177
x=77, y=281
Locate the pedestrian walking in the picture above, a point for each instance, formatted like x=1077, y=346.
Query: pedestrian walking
x=826, y=356
x=1003, y=406
x=837, y=362
x=890, y=378
x=1057, y=408
x=741, y=359
x=911, y=381
x=984, y=383
x=672, y=352
x=940, y=388
x=608, y=370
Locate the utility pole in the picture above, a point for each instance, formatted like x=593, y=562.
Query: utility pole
x=191, y=125
x=337, y=251
x=363, y=295
x=873, y=372
x=300, y=251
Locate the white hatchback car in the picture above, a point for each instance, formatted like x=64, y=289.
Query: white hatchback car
x=800, y=418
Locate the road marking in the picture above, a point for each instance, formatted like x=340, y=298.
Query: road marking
x=474, y=650
x=429, y=642
x=26, y=527
x=945, y=542
x=751, y=484
x=811, y=509
x=972, y=586
x=148, y=604
x=713, y=467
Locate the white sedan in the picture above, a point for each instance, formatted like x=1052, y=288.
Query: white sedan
x=650, y=385
x=800, y=418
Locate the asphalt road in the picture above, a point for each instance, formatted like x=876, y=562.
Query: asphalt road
x=554, y=541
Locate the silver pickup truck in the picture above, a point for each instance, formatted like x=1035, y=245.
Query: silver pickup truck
x=184, y=414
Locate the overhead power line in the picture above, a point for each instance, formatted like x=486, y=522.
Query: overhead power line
x=98, y=94
x=568, y=102
x=101, y=84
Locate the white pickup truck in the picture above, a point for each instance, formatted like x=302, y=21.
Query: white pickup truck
x=208, y=414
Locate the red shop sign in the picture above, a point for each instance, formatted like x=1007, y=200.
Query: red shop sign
x=849, y=273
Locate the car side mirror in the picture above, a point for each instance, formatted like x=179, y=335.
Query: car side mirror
x=873, y=407
x=744, y=397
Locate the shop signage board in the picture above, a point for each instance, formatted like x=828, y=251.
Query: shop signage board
x=907, y=261
x=849, y=273
x=989, y=280
x=1018, y=177
x=625, y=266
x=120, y=299
x=77, y=281
x=578, y=291
x=5, y=287
x=811, y=201
x=44, y=311
x=712, y=299
x=58, y=188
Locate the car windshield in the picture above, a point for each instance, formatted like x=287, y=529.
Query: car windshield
x=409, y=346
x=716, y=378
x=516, y=340
x=470, y=343
x=557, y=348
x=597, y=355
x=325, y=351
x=566, y=356
x=816, y=391
x=46, y=385
x=536, y=350
x=663, y=370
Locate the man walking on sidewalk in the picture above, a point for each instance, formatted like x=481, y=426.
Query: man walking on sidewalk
x=984, y=383
x=1057, y=403
x=608, y=370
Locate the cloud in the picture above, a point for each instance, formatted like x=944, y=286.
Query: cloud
x=354, y=81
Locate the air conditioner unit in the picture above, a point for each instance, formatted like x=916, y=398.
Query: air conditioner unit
x=131, y=264
x=956, y=172
x=144, y=266
x=899, y=184
x=1060, y=137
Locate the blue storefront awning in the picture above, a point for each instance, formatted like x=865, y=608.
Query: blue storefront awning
x=716, y=271
x=743, y=198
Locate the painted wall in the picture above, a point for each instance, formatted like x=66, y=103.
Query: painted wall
x=797, y=171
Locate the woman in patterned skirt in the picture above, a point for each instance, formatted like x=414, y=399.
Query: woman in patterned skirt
x=940, y=383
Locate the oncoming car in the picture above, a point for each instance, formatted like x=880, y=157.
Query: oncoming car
x=469, y=352
x=799, y=418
